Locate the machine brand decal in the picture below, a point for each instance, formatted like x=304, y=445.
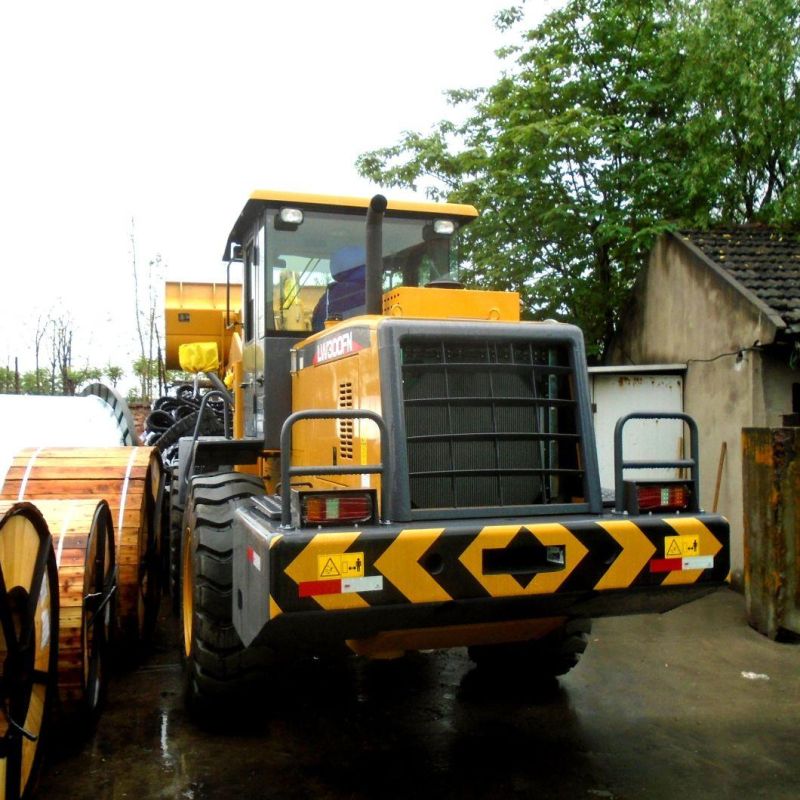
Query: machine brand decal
x=679, y=546
x=332, y=347
x=335, y=347
x=340, y=565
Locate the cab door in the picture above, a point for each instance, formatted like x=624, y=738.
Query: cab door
x=253, y=355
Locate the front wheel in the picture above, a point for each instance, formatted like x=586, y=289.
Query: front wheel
x=217, y=665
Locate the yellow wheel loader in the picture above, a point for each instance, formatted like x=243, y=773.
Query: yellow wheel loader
x=407, y=464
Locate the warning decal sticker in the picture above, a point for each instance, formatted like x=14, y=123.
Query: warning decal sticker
x=680, y=546
x=340, y=565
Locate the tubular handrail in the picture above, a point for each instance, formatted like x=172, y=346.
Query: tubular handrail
x=620, y=465
x=288, y=471
x=196, y=434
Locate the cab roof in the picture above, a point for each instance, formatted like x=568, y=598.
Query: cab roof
x=261, y=198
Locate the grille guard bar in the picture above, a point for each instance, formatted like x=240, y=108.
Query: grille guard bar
x=288, y=471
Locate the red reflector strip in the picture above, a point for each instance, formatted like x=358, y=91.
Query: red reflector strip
x=313, y=588
x=254, y=558
x=666, y=565
x=373, y=583
x=681, y=564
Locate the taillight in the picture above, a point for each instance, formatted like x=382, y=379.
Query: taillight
x=336, y=508
x=663, y=497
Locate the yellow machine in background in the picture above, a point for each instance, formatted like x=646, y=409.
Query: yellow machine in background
x=199, y=312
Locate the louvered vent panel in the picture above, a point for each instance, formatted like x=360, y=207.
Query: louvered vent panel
x=345, y=425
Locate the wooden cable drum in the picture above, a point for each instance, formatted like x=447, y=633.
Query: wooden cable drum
x=130, y=480
x=83, y=541
x=28, y=645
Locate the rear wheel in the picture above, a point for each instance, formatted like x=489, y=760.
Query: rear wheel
x=217, y=665
x=554, y=654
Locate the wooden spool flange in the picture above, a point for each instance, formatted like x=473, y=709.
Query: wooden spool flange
x=83, y=541
x=28, y=645
x=130, y=480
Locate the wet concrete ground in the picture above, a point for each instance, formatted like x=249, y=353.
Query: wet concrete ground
x=691, y=704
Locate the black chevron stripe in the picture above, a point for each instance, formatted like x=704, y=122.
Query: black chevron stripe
x=603, y=551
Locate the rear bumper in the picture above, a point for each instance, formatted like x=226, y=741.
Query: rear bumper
x=317, y=588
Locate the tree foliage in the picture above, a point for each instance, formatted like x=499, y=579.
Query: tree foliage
x=148, y=289
x=53, y=341
x=613, y=121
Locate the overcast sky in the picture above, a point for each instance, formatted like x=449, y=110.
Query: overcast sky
x=171, y=113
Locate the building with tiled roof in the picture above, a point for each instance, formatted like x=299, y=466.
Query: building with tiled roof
x=763, y=260
x=726, y=303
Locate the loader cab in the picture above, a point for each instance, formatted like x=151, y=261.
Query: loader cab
x=304, y=256
x=304, y=263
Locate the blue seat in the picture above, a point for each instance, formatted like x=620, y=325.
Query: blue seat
x=346, y=294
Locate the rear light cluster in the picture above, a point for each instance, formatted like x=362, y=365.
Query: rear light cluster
x=662, y=497
x=337, y=508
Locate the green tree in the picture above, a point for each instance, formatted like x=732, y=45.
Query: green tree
x=146, y=371
x=114, y=374
x=7, y=380
x=602, y=132
x=148, y=289
x=35, y=382
x=741, y=75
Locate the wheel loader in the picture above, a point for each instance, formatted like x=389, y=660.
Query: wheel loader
x=406, y=464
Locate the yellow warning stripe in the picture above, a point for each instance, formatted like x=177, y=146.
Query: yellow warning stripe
x=404, y=564
x=709, y=546
x=305, y=568
x=400, y=564
x=498, y=537
x=637, y=550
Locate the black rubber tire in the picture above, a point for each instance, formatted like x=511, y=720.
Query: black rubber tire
x=158, y=421
x=166, y=403
x=217, y=667
x=183, y=411
x=176, y=509
x=553, y=655
x=210, y=426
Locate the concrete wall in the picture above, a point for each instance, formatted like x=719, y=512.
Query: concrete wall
x=776, y=382
x=683, y=310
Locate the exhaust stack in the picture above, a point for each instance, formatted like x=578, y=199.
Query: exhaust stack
x=374, y=270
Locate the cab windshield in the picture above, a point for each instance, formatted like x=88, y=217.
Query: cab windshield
x=316, y=271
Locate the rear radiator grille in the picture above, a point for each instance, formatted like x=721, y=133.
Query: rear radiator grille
x=490, y=424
